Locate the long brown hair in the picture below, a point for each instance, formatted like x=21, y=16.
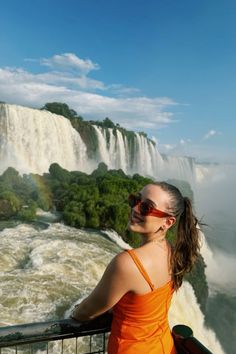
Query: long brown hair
x=187, y=244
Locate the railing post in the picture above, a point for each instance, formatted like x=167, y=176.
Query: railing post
x=185, y=343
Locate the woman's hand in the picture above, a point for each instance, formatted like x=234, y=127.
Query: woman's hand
x=77, y=314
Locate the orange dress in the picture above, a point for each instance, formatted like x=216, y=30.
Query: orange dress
x=140, y=323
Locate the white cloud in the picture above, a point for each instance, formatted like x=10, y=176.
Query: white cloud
x=81, y=93
x=70, y=61
x=122, y=90
x=81, y=82
x=184, y=147
x=166, y=148
x=210, y=134
x=184, y=141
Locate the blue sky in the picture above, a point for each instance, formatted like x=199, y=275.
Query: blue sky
x=164, y=67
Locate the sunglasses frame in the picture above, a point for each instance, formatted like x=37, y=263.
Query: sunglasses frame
x=136, y=200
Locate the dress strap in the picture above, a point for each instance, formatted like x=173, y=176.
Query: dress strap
x=141, y=268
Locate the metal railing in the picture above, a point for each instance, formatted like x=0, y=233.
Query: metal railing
x=26, y=335
x=36, y=337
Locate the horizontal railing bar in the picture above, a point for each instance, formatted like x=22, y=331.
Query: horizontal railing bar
x=52, y=330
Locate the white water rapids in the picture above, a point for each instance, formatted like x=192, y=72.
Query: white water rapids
x=43, y=273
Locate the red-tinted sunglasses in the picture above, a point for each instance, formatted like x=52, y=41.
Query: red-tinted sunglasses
x=144, y=208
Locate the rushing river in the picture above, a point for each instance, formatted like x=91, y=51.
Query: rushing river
x=45, y=272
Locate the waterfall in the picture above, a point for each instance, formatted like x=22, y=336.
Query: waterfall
x=182, y=168
x=31, y=140
x=112, y=148
x=122, y=159
x=103, y=154
x=114, y=153
x=144, y=164
x=141, y=156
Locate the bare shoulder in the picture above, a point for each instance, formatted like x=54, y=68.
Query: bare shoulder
x=122, y=265
x=121, y=261
x=120, y=271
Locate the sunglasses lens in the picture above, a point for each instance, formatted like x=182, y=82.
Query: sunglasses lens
x=144, y=208
x=133, y=200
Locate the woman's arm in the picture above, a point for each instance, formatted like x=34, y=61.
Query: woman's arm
x=114, y=283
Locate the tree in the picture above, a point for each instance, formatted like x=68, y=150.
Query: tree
x=107, y=123
x=100, y=171
x=61, y=109
x=10, y=176
x=59, y=173
x=74, y=214
x=28, y=212
x=9, y=205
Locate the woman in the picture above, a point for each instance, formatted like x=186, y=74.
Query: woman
x=138, y=284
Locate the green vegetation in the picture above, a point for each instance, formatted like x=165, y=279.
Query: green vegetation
x=106, y=123
x=98, y=200
x=21, y=195
x=95, y=201
x=61, y=109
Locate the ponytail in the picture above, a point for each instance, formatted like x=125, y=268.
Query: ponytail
x=187, y=246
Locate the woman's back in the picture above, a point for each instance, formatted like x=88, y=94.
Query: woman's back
x=155, y=259
x=139, y=284
x=140, y=322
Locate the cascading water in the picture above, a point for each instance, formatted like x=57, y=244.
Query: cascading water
x=121, y=152
x=145, y=163
x=31, y=140
x=113, y=155
x=181, y=168
x=141, y=156
x=103, y=155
